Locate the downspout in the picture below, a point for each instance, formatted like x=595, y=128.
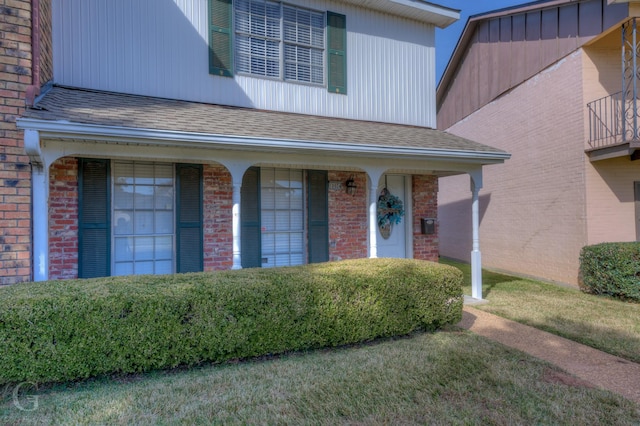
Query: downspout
x=39, y=170
x=33, y=90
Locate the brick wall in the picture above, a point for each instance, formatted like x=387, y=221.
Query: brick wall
x=425, y=205
x=15, y=172
x=348, y=219
x=63, y=219
x=217, y=210
x=532, y=207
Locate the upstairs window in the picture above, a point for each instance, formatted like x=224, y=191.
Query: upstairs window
x=276, y=40
x=279, y=41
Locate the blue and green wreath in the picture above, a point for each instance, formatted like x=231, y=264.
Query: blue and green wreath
x=390, y=209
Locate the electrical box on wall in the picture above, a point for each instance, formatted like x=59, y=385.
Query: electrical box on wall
x=428, y=225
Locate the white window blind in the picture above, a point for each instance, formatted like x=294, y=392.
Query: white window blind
x=279, y=41
x=303, y=45
x=282, y=216
x=143, y=218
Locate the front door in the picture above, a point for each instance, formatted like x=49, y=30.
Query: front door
x=393, y=242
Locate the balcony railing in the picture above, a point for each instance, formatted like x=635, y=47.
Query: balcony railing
x=613, y=121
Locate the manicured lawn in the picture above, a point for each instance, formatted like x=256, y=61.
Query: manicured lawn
x=448, y=377
x=604, y=323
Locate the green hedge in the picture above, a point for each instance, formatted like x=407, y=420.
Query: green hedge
x=66, y=330
x=611, y=268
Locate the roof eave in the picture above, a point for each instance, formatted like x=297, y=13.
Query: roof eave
x=431, y=13
x=126, y=135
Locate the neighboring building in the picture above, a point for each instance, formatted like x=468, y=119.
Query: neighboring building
x=543, y=81
x=169, y=136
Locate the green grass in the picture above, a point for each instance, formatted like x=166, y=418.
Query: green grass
x=604, y=323
x=449, y=377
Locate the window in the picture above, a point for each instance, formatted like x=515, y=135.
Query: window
x=280, y=41
x=143, y=218
x=282, y=211
x=139, y=218
x=277, y=40
x=284, y=217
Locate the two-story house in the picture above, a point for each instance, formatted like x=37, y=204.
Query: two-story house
x=555, y=83
x=169, y=136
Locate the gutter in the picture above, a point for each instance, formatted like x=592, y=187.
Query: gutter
x=137, y=136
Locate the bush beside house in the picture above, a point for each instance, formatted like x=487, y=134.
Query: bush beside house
x=66, y=330
x=612, y=269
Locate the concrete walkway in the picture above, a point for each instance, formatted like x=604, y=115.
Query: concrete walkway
x=593, y=366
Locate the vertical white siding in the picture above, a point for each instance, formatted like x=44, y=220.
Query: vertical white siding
x=159, y=48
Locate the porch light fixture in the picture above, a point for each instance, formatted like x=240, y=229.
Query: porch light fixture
x=351, y=186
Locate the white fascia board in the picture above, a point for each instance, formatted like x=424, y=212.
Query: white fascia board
x=423, y=11
x=137, y=136
x=444, y=16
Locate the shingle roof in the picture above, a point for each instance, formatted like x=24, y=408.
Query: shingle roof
x=142, y=112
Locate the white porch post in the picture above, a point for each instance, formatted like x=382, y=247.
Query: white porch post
x=235, y=223
x=237, y=170
x=39, y=206
x=373, y=222
x=476, y=256
x=374, y=177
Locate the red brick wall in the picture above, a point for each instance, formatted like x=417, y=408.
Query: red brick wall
x=348, y=218
x=425, y=205
x=63, y=219
x=15, y=172
x=217, y=209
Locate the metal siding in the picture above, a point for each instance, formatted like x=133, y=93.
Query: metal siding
x=504, y=55
x=590, y=20
x=159, y=48
x=518, y=68
x=494, y=61
x=614, y=13
x=532, y=45
x=567, y=29
x=549, y=36
x=483, y=66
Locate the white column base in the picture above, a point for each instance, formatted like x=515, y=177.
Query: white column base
x=476, y=275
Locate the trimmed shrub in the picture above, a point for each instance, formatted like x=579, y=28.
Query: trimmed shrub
x=612, y=269
x=67, y=330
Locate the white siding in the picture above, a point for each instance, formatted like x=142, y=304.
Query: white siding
x=159, y=48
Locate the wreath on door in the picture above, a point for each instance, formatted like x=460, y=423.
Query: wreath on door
x=390, y=212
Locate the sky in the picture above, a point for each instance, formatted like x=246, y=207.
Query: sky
x=447, y=38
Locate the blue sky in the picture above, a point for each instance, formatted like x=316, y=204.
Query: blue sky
x=446, y=39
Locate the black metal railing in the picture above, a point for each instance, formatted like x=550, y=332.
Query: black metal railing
x=605, y=121
x=613, y=120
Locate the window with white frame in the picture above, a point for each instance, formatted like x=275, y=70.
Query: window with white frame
x=143, y=218
x=282, y=212
x=279, y=41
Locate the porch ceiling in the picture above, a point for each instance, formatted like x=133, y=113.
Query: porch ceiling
x=72, y=113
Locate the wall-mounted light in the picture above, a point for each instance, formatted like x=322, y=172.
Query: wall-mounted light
x=351, y=186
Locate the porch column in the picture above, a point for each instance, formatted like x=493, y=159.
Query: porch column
x=39, y=206
x=237, y=170
x=476, y=257
x=235, y=223
x=373, y=221
x=374, y=177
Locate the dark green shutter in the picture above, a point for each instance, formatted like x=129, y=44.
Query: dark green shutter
x=318, y=216
x=251, y=234
x=220, y=38
x=94, y=227
x=189, y=246
x=337, y=52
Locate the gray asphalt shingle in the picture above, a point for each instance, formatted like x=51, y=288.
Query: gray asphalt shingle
x=142, y=112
